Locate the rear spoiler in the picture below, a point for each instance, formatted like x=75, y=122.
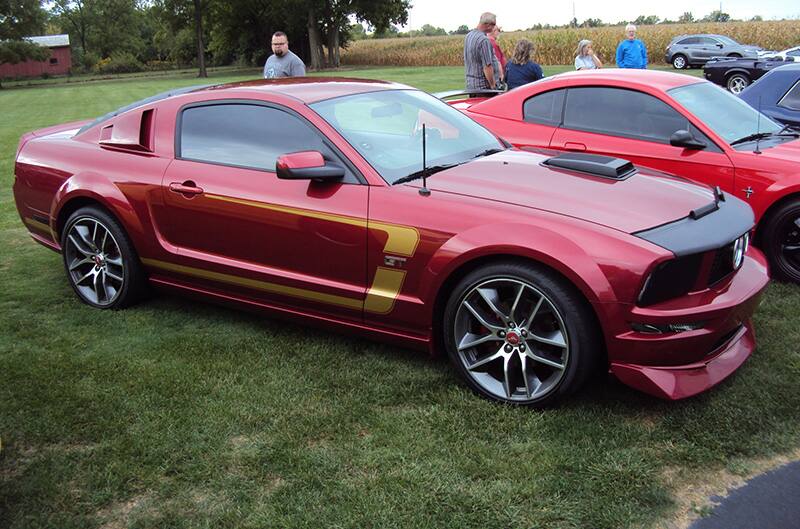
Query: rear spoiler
x=462, y=94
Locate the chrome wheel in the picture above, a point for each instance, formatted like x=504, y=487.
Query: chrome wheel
x=511, y=340
x=94, y=261
x=679, y=62
x=737, y=83
x=781, y=241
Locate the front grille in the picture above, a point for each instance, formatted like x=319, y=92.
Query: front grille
x=722, y=266
x=679, y=276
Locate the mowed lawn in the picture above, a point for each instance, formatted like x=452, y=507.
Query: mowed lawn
x=176, y=413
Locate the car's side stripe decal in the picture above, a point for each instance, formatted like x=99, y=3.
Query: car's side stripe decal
x=41, y=226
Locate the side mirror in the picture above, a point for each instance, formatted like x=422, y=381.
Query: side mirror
x=307, y=165
x=720, y=46
x=684, y=138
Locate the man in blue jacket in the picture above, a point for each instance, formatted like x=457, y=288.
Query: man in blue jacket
x=631, y=52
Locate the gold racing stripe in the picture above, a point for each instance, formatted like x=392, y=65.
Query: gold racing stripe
x=382, y=294
x=40, y=226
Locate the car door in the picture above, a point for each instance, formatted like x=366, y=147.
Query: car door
x=710, y=47
x=636, y=126
x=240, y=229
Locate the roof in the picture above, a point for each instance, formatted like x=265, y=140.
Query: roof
x=656, y=79
x=50, y=41
x=310, y=89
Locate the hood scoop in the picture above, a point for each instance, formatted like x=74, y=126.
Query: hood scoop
x=593, y=164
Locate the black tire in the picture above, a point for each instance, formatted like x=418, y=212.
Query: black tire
x=100, y=262
x=680, y=62
x=735, y=55
x=562, y=314
x=737, y=82
x=781, y=241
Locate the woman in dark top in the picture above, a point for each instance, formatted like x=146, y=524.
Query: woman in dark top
x=521, y=69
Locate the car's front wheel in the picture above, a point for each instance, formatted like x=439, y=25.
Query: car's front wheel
x=519, y=333
x=781, y=241
x=101, y=264
x=738, y=82
x=679, y=62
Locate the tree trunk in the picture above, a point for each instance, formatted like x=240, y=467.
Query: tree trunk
x=198, y=24
x=333, y=47
x=314, y=41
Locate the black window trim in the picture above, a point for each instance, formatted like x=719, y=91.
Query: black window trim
x=713, y=147
x=361, y=180
x=563, y=106
x=780, y=101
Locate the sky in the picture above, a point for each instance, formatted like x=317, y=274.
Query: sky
x=521, y=14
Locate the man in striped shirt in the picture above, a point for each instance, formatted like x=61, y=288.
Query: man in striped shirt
x=478, y=55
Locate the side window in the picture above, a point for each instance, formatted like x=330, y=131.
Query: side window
x=792, y=98
x=245, y=135
x=708, y=41
x=794, y=53
x=544, y=108
x=621, y=112
x=690, y=40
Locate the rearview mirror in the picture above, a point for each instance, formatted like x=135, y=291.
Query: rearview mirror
x=684, y=138
x=307, y=165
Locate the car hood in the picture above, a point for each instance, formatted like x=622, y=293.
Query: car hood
x=784, y=152
x=639, y=202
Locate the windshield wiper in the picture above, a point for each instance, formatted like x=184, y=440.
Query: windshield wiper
x=418, y=174
x=793, y=130
x=487, y=152
x=752, y=137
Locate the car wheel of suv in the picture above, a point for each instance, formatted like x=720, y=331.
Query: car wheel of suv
x=100, y=261
x=738, y=82
x=679, y=62
x=781, y=242
x=520, y=334
x=735, y=55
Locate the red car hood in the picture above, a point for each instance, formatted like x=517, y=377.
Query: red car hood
x=787, y=152
x=639, y=202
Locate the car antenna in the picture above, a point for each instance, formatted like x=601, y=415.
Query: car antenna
x=424, y=191
x=758, y=127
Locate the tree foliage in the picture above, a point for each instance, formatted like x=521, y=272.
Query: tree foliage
x=19, y=19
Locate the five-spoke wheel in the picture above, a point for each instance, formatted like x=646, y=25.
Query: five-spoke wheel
x=518, y=334
x=679, y=62
x=99, y=260
x=738, y=82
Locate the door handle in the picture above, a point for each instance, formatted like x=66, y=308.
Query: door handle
x=572, y=146
x=186, y=188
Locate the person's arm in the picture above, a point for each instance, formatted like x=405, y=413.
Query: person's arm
x=537, y=72
x=597, y=62
x=644, y=56
x=486, y=54
x=620, y=54
x=488, y=72
x=298, y=68
x=265, y=68
x=577, y=62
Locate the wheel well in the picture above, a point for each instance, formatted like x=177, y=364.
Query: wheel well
x=735, y=72
x=72, y=206
x=456, y=275
x=767, y=214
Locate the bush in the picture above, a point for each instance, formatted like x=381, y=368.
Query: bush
x=159, y=66
x=123, y=62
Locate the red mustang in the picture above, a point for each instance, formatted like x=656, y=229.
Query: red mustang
x=306, y=198
x=671, y=122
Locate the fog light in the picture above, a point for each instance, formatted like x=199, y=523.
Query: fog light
x=670, y=328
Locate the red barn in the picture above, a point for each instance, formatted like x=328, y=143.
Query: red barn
x=59, y=63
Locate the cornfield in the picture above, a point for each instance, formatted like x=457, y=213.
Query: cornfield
x=557, y=46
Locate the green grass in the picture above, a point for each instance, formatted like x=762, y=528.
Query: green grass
x=175, y=413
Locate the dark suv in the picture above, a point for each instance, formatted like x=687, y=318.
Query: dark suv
x=686, y=51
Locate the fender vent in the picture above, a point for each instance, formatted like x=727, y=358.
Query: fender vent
x=593, y=164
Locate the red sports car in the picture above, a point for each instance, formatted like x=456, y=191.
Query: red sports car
x=671, y=122
x=307, y=198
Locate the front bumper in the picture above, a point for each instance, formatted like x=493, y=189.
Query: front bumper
x=678, y=365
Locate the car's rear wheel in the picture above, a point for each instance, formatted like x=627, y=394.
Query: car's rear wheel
x=735, y=55
x=679, y=62
x=101, y=264
x=781, y=241
x=519, y=333
x=737, y=82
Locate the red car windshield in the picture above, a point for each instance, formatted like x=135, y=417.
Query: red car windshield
x=386, y=129
x=727, y=115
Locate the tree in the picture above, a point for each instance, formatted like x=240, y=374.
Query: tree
x=686, y=18
x=757, y=18
x=717, y=16
x=181, y=14
x=463, y=29
x=649, y=20
x=20, y=19
x=592, y=23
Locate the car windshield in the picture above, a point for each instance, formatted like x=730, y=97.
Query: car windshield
x=727, y=115
x=385, y=127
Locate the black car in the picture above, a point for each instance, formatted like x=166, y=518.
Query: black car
x=736, y=74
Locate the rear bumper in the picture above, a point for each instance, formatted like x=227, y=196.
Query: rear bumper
x=676, y=365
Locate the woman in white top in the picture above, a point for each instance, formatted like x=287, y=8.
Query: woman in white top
x=585, y=57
